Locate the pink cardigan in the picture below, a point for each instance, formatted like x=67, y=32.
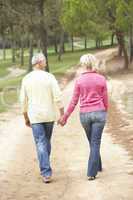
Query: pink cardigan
x=91, y=89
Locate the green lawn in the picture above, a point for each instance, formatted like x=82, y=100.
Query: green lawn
x=3, y=67
x=9, y=92
x=69, y=60
x=10, y=86
x=56, y=67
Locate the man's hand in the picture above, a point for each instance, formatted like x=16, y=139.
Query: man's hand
x=27, y=123
x=61, y=121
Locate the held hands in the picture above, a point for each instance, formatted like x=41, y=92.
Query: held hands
x=61, y=121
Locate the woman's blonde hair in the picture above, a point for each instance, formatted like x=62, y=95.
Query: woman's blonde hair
x=89, y=61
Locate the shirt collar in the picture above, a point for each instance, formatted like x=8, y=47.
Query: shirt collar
x=36, y=69
x=86, y=72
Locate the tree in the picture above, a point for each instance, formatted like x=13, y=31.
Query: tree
x=131, y=31
x=82, y=21
x=30, y=17
x=99, y=18
x=115, y=13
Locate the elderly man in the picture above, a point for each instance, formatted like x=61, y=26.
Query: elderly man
x=39, y=96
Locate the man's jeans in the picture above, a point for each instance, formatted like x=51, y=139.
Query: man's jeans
x=42, y=133
x=93, y=124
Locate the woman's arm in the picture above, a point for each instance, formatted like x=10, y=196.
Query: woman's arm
x=72, y=104
x=105, y=96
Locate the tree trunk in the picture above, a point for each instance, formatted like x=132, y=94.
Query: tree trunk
x=125, y=57
x=22, y=53
x=72, y=40
x=43, y=37
x=13, y=51
x=39, y=46
x=42, y=30
x=30, y=54
x=101, y=43
x=131, y=43
x=112, y=39
x=4, y=49
x=96, y=44
x=122, y=48
x=55, y=44
x=61, y=48
x=85, y=43
x=120, y=43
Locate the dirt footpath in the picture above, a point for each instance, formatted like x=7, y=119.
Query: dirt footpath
x=19, y=173
x=121, y=109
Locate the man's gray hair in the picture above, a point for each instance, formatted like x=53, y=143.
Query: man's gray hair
x=38, y=57
x=89, y=61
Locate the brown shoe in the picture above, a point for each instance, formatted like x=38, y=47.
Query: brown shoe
x=47, y=179
x=91, y=178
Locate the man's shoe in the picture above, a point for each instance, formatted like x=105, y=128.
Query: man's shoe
x=91, y=178
x=47, y=179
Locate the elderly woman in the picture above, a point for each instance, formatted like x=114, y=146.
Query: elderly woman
x=91, y=89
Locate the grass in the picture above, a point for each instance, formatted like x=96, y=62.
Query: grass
x=10, y=86
x=9, y=90
x=3, y=67
x=68, y=60
x=10, y=82
x=55, y=66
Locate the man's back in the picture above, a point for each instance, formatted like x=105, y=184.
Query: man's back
x=41, y=91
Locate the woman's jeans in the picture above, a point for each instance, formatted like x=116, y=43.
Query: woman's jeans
x=93, y=124
x=42, y=133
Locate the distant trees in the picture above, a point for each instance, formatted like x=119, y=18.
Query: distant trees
x=99, y=18
x=28, y=20
x=130, y=10
x=30, y=23
x=117, y=17
x=80, y=19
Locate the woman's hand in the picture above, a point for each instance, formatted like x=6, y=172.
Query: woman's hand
x=62, y=121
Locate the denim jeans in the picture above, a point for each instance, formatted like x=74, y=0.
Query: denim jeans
x=42, y=133
x=93, y=124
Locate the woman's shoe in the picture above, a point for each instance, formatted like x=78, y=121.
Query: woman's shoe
x=47, y=179
x=91, y=178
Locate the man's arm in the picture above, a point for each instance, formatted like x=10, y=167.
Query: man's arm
x=27, y=121
x=57, y=96
x=23, y=102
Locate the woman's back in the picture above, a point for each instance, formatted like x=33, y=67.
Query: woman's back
x=92, y=87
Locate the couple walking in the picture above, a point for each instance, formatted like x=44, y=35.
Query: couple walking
x=39, y=95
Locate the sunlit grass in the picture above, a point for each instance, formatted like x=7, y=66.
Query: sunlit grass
x=58, y=68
